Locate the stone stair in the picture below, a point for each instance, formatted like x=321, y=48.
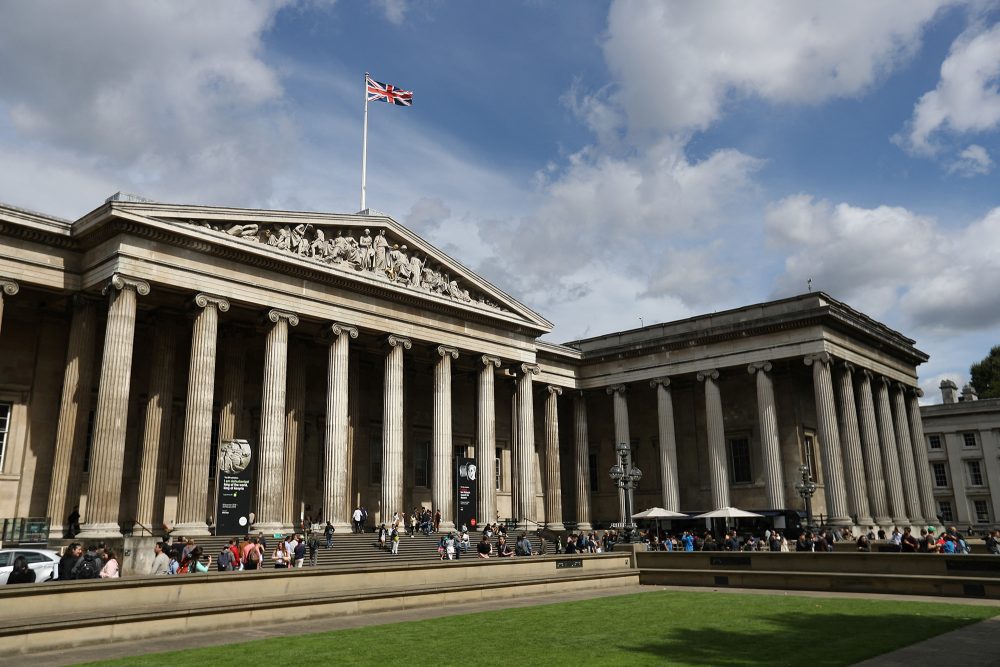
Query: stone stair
x=354, y=549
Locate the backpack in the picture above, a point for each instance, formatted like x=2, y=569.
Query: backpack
x=87, y=567
x=254, y=555
x=225, y=560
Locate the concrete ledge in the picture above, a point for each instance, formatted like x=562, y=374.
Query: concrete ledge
x=899, y=574
x=71, y=614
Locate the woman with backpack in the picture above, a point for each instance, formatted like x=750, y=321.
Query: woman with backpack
x=252, y=555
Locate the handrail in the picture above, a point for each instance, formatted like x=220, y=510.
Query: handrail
x=145, y=529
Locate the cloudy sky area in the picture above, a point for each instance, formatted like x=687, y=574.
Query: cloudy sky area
x=603, y=162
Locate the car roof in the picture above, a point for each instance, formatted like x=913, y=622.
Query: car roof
x=49, y=552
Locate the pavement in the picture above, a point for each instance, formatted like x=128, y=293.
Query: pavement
x=976, y=645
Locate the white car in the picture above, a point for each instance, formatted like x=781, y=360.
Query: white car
x=44, y=562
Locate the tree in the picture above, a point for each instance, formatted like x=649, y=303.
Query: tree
x=986, y=375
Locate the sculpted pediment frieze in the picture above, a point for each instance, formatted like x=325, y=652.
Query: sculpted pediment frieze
x=382, y=254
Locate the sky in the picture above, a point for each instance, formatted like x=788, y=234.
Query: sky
x=610, y=164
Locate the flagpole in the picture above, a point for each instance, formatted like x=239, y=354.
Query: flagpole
x=364, y=147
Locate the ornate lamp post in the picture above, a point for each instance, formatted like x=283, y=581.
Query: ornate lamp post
x=806, y=488
x=626, y=477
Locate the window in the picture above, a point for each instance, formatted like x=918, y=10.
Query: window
x=969, y=439
x=594, y=476
x=421, y=464
x=940, y=474
x=809, y=455
x=944, y=509
x=934, y=441
x=739, y=460
x=4, y=429
x=497, y=473
x=975, y=473
x=982, y=510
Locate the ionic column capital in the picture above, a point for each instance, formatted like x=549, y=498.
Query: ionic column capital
x=202, y=300
x=847, y=367
x=708, y=374
x=275, y=315
x=759, y=366
x=554, y=390
x=446, y=351
x=530, y=368
x=400, y=341
x=488, y=359
x=881, y=379
x=9, y=287
x=616, y=389
x=915, y=391
x=660, y=382
x=120, y=282
x=868, y=375
x=820, y=357
x=338, y=329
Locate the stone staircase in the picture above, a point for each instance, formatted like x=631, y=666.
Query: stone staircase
x=354, y=549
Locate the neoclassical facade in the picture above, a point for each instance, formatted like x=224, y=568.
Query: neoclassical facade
x=360, y=361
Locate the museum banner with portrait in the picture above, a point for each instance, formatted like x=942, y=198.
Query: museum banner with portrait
x=236, y=467
x=466, y=485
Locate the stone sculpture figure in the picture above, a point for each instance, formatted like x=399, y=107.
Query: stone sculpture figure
x=381, y=245
x=319, y=248
x=366, y=251
x=415, y=270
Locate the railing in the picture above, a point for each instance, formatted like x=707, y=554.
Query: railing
x=25, y=531
x=133, y=528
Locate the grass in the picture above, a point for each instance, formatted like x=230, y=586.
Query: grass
x=663, y=627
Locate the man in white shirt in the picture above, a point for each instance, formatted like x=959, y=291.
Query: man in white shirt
x=357, y=520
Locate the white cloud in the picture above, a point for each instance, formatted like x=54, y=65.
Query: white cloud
x=173, y=97
x=679, y=63
x=394, y=10
x=966, y=98
x=891, y=263
x=973, y=161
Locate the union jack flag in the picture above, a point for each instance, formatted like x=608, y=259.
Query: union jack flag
x=389, y=93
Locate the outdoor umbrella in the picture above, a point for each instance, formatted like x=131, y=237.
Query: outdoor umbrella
x=728, y=513
x=658, y=513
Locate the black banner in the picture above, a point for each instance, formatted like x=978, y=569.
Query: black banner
x=466, y=486
x=235, y=475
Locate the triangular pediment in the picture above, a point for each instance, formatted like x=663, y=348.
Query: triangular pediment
x=366, y=248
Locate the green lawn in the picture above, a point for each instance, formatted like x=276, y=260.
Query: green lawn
x=661, y=627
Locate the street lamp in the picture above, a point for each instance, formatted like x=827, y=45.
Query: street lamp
x=806, y=488
x=626, y=477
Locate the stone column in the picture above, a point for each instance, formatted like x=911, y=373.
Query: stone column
x=524, y=446
x=10, y=288
x=854, y=463
x=156, y=431
x=927, y=502
x=295, y=435
x=887, y=442
x=668, y=443
x=233, y=369
x=486, y=440
x=716, y=431
x=74, y=409
x=392, y=430
x=581, y=442
x=108, y=448
x=271, y=457
x=770, y=444
x=901, y=424
x=871, y=451
x=553, y=483
x=619, y=405
x=826, y=414
x=192, y=497
x=442, y=495
x=336, y=485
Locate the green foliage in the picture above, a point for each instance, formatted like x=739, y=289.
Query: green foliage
x=654, y=628
x=986, y=375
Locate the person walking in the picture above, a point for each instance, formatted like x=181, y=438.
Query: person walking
x=328, y=534
x=313, y=543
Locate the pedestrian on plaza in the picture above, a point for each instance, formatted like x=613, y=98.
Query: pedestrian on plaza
x=160, y=559
x=395, y=541
x=225, y=560
x=993, y=542
x=300, y=553
x=281, y=557
x=73, y=523
x=908, y=543
x=313, y=543
x=195, y=566
x=328, y=534
x=863, y=543
x=437, y=520
x=111, y=569
x=21, y=573
x=896, y=540
x=68, y=560
x=364, y=519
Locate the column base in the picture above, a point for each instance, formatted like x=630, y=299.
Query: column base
x=268, y=529
x=900, y=521
x=57, y=532
x=559, y=527
x=93, y=531
x=446, y=526
x=840, y=521
x=583, y=526
x=918, y=522
x=864, y=522
x=882, y=522
x=192, y=529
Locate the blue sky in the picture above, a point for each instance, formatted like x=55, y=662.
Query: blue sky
x=601, y=161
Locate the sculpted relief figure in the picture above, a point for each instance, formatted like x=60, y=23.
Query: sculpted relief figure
x=372, y=254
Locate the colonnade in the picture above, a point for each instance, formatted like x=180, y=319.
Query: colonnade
x=870, y=439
